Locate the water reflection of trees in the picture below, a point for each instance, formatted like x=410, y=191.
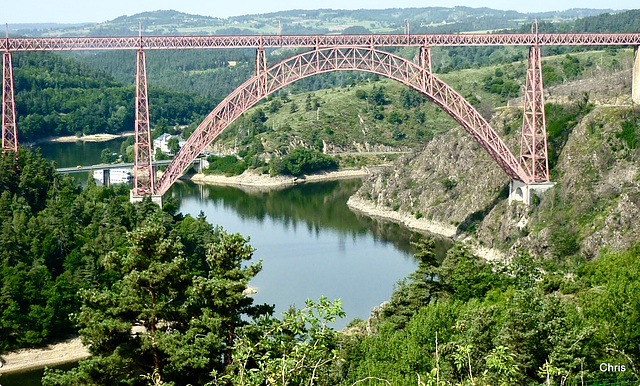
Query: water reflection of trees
x=314, y=205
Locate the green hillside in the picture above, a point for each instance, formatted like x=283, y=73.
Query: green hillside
x=592, y=131
x=60, y=96
x=377, y=113
x=554, y=297
x=319, y=21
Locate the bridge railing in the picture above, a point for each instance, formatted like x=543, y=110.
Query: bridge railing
x=534, y=134
x=310, y=41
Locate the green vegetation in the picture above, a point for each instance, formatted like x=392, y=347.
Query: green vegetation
x=561, y=120
x=59, y=96
x=606, y=22
x=107, y=156
x=422, y=20
x=467, y=322
x=165, y=317
x=302, y=161
x=299, y=349
x=57, y=237
x=228, y=165
x=630, y=131
x=496, y=84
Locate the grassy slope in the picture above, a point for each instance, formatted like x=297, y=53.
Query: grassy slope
x=434, y=19
x=597, y=192
x=345, y=122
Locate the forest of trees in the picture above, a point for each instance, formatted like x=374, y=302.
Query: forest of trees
x=468, y=322
x=158, y=298
x=60, y=96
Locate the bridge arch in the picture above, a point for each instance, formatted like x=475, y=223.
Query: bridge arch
x=321, y=60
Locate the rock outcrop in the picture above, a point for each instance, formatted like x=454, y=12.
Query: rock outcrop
x=453, y=181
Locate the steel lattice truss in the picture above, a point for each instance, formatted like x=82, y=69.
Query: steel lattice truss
x=330, y=53
x=321, y=60
x=143, y=180
x=9, y=129
x=533, y=145
x=315, y=41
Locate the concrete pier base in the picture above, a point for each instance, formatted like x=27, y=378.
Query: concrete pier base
x=635, y=85
x=521, y=192
x=157, y=199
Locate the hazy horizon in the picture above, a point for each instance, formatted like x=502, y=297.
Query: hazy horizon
x=74, y=12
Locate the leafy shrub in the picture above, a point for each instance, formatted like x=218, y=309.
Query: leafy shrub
x=628, y=133
x=228, y=165
x=303, y=161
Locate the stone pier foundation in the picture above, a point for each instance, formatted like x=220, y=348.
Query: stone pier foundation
x=157, y=199
x=521, y=192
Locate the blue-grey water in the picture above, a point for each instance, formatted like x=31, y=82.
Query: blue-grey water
x=310, y=243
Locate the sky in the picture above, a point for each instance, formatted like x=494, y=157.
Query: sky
x=74, y=11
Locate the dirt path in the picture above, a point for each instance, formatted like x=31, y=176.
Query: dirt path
x=27, y=359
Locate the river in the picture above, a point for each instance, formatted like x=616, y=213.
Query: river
x=308, y=240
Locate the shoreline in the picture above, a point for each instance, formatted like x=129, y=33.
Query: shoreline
x=72, y=350
x=369, y=209
x=262, y=182
x=102, y=137
x=54, y=354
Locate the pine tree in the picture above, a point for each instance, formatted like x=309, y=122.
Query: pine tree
x=161, y=322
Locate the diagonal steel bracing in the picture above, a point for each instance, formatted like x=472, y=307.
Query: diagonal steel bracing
x=9, y=129
x=320, y=60
x=143, y=179
x=533, y=143
x=317, y=41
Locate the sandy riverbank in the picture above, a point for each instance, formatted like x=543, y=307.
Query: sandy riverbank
x=421, y=225
x=72, y=350
x=55, y=354
x=266, y=182
x=85, y=138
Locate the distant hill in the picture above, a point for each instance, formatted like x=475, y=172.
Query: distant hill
x=627, y=21
x=320, y=21
x=24, y=28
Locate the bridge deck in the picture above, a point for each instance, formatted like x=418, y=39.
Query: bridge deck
x=80, y=169
x=266, y=41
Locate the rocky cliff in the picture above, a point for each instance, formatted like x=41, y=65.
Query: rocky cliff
x=595, y=203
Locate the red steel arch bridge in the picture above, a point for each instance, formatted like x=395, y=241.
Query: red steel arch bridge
x=328, y=53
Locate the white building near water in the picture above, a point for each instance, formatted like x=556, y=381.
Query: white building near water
x=162, y=143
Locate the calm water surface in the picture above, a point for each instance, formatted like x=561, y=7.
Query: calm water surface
x=68, y=154
x=309, y=242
